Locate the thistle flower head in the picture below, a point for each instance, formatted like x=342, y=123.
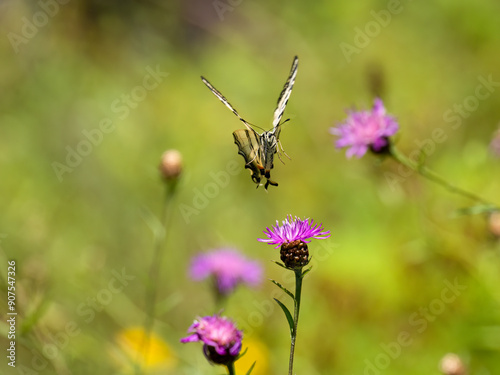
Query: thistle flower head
x=293, y=229
x=292, y=236
x=228, y=267
x=365, y=129
x=220, y=337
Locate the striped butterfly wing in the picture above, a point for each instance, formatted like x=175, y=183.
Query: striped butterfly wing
x=226, y=102
x=247, y=140
x=283, y=98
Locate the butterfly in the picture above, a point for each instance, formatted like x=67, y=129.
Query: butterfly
x=258, y=149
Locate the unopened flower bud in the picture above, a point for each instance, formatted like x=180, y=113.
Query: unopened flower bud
x=451, y=364
x=494, y=223
x=171, y=164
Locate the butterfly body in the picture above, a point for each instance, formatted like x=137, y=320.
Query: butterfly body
x=255, y=150
x=258, y=149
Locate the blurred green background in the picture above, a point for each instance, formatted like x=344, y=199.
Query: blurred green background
x=68, y=69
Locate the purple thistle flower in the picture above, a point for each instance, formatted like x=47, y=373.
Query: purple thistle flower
x=228, y=267
x=220, y=337
x=292, y=230
x=365, y=129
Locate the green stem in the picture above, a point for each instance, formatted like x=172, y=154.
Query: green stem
x=160, y=236
x=298, y=291
x=230, y=369
x=432, y=176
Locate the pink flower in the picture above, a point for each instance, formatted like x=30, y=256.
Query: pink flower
x=293, y=230
x=365, y=129
x=220, y=337
x=228, y=267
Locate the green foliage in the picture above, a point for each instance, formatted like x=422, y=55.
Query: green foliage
x=81, y=139
x=288, y=315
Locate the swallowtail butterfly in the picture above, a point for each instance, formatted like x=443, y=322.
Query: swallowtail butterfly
x=258, y=149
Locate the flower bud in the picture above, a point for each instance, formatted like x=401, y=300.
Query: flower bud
x=494, y=223
x=382, y=149
x=294, y=255
x=451, y=364
x=171, y=164
x=219, y=359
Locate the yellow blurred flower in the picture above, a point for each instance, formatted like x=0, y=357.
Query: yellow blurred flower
x=257, y=352
x=131, y=349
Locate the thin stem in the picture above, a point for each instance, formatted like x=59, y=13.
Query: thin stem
x=298, y=291
x=160, y=236
x=219, y=298
x=230, y=369
x=432, y=176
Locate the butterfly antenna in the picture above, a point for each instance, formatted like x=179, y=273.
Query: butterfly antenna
x=285, y=121
x=258, y=127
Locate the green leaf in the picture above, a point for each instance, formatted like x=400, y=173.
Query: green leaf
x=251, y=368
x=241, y=354
x=32, y=319
x=474, y=210
x=152, y=221
x=279, y=264
x=306, y=271
x=287, y=314
x=282, y=288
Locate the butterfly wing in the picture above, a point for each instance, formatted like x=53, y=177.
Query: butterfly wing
x=283, y=98
x=249, y=147
x=226, y=102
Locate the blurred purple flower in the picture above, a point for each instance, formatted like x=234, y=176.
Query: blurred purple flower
x=495, y=144
x=228, y=267
x=220, y=337
x=293, y=230
x=364, y=129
